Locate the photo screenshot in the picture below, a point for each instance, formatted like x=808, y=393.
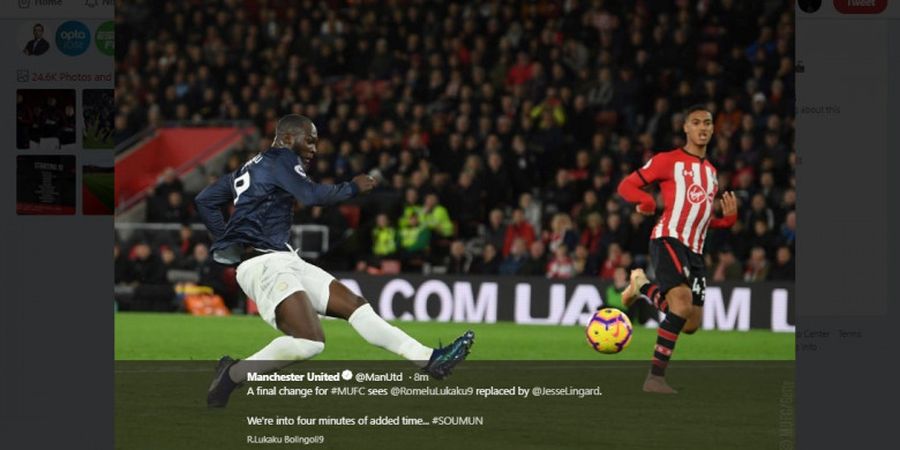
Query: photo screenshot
x=406, y=224
x=469, y=223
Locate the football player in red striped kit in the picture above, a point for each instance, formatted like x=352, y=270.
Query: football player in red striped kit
x=689, y=184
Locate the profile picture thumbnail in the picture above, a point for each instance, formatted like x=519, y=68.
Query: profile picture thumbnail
x=45, y=184
x=98, y=111
x=45, y=119
x=37, y=45
x=809, y=6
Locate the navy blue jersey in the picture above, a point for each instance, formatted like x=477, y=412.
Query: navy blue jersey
x=263, y=193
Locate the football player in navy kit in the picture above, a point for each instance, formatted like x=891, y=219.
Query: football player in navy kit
x=290, y=292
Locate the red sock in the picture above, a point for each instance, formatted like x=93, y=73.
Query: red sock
x=651, y=291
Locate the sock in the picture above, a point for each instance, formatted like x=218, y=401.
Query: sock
x=666, y=335
x=651, y=291
x=281, y=352
x=377, y=332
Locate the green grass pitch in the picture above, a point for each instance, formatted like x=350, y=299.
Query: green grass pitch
x=160, y=403
x=148, y=336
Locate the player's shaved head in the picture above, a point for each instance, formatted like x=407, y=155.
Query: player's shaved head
x=299, y=134
x=293, y=124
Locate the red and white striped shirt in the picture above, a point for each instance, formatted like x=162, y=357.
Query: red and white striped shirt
x=689, y=185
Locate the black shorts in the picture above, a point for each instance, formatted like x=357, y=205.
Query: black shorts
x=675, y=265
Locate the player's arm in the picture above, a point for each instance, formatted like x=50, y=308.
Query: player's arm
x=631, y=188
x=729, y=212
x=291, y=177
x=209, y=204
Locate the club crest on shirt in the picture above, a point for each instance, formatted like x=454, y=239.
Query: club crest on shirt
x=696, y=194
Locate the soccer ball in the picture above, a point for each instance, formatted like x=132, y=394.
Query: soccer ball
x=609, y=331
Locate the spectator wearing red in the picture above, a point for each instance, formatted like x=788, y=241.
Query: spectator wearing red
x=728, y=120
x=518, y=228
x=532, y=209
x=613, y=261
x=186, y=240
x=591, y=237
x=582, y=170
x=728, y=268
x=561, y=233
x=757, y=268
x=521, y=72
x=561, y=267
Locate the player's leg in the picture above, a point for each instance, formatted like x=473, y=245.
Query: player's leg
x=303, y=339
x=636, y=279
x=673, y=296
x=343, y=303
x=275, y=283
x=694, y=320
x=698, y=292
x=679, y=301
x=641, y=286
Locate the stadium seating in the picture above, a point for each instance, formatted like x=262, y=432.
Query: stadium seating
x=428, y=96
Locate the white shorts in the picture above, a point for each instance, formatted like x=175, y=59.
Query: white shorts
x=269, y=279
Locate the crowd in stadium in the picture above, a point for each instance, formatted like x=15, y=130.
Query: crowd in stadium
x=499, y=130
